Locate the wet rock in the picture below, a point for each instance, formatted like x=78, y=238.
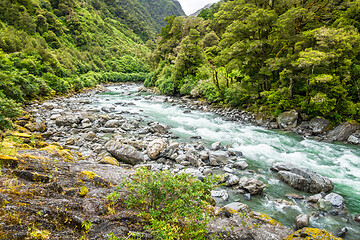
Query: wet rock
x=342, y=232
x=159, y=128
x=323, y=205
x=67, y=120
x=155, y=147
x=302, y=221
x=303, y=179
x=247, y=196
x=8, y=162
x=124, y=153
x=319, y=125
x=288, y=120
x=215, y=146
x=342, y=132
x=108, y=109
x=220, y=194
x=314, y=199
x=354, y=138
x=294, y=196
x=218, y=158
x=90, y=136
x=232, y=180
x=357, y=218
x=252, y=185
x=240, y=165
x=194, y=172
x=336, y=200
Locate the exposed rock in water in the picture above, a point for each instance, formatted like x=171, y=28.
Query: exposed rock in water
x=155, y=147
x=124, y=153
x=336, y=200
x=220, y=194
x=67, y=120
x=252, y=185
x=319, y=125
x=288, y=120
x=302, y=221
x=303, y=179
x=342, y=132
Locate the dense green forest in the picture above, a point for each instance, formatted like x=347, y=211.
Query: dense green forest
x=267, y=56
x=50, y=47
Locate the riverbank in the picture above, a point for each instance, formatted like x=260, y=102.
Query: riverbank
x=317, y=128
x=90, y=137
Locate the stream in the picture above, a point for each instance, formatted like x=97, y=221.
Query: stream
x=260, y=148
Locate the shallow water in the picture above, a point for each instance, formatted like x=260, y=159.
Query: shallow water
x=261, y=147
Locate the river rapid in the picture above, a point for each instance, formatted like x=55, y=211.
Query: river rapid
x=260, y=148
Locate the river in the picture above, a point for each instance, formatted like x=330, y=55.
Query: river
x=261, y=148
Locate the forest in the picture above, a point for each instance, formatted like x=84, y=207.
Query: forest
x=265, y=56
x=55, y=47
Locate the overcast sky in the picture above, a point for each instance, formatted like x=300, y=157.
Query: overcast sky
x=191, y=6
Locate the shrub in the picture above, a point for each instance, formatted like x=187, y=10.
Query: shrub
x=172, y=205
x=8, y=109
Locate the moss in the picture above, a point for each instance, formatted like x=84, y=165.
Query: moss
x=8, y=161
x=110, y=160
x=88, y=174
x=21, y=135
x=265, y=218
x=58, y=151
x=311, y=233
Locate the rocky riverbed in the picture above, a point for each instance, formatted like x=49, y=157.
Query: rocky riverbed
x=80, y=143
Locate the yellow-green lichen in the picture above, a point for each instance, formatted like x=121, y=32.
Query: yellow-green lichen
x=265, y=218
x=311, y=234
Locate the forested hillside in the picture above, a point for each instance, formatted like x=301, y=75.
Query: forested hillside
x=53, y=47
x=267, y=56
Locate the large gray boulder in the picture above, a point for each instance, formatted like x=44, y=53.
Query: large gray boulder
x=218, y=158
x=342, y=132
x=319, y=125
x=303, y=179
x=252, y=185
x=302, y=221
x=288, y=120
x=125, y=153
x=155, y=147
x=336, y=200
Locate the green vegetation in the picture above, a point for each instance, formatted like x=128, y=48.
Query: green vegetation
x=57, y=47
x=173, y=206
x=265, y=56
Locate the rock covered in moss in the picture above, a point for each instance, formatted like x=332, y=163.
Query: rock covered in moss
x=288, y=120
x=109, y=160
x=311, y=233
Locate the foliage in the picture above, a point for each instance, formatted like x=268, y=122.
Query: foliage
x=280, y=55
x=172, y=205
x=57, y=47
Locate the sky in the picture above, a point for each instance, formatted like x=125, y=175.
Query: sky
x=191, y=6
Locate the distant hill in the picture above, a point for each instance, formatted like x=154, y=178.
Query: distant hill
x=195, y=14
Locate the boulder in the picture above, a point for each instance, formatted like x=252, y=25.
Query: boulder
x=342, y=132
x=288, y=120
x=218, y=158
x=238, y=207
x=252, y=185
x=357, y=218
x=302, y=221
x=124, y=153
x=311, y=233
x=354, y=138
x=232, y=180
x=319, y=125
x=155, y=147
x=336, y=200
x=67, y=120
x=220, y=194
x=240, y=165
x=215, y=146
x=303, y=179
x=324, y=205
x=109, y=160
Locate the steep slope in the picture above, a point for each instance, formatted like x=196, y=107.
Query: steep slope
x=53, y=47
